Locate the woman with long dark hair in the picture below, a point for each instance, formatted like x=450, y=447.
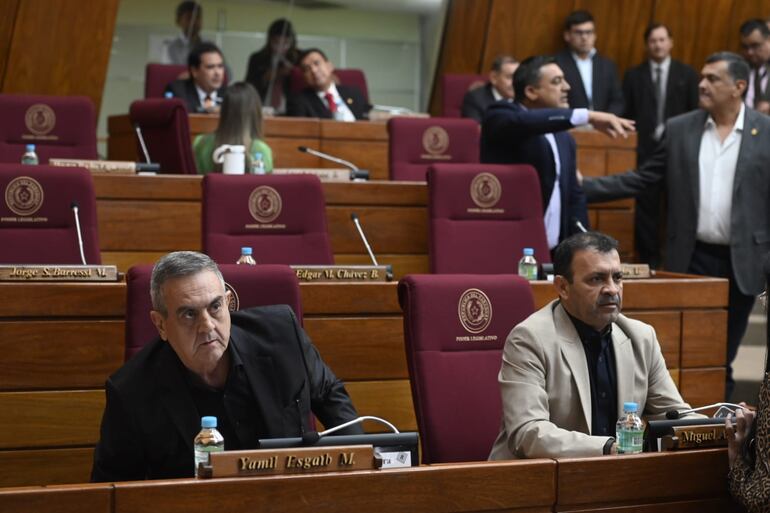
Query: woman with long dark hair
x=240, y=122
x=270, y=68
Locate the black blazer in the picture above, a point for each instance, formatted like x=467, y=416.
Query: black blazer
x=639, y=95
x=477, y=101
x=307, y=104
x=607, y=95
x=150, y=419
x=511, y=134
x=185, y=90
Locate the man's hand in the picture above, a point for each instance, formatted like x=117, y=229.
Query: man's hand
x=611, y=124
x=736, y=435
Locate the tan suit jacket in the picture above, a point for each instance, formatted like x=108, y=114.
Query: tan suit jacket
x=546, y=391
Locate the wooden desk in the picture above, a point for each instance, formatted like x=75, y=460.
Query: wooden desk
x=651, y=483
x=61, y=341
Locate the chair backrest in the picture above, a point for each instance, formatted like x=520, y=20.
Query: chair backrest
x=166, y=131
x=347, y=76
x=281, y=217
x=37, y=222
x=258, y=285
x=453, y=88
x=58, y=126
x=482, y=216
x=454, y=328
x=158, y=76
x=416, y=143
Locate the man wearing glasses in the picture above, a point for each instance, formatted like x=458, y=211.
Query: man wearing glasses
x=593, y=78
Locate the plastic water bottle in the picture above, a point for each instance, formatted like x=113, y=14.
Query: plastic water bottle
x=30, y=157
x=629, y=430
x=246, y=257
x=207, y=441
x=257, y=164
x=528, y=265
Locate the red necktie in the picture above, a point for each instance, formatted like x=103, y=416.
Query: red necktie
x=330, y=102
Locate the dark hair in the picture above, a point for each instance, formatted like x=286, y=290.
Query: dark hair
x=194, y=57
x=502, y=60
x=654, y=26
x=565, y=251
x=307, y=52
x=577, y=18
x=240, y=120
x=177, y=265
x=737, y=67
x=749, y=26
x=528, y=73
x=281, y=27
x=188, y=6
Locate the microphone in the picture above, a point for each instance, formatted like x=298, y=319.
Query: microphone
x=74, y=207
x=312, y=437
x=355, y=173
x=139, y=136
x=389, y=268
x=678, y=414
x=576, y=222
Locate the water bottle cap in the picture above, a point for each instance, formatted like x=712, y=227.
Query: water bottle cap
x=529, y=251
x=257, y=155
x=245, y=251
x=30, y=147
x=208, y=422
x=168, y=94
x=630, y=406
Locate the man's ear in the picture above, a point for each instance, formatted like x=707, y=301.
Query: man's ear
x=561, y=285
x=160, y=323
x=531, y=94
x=565, y=35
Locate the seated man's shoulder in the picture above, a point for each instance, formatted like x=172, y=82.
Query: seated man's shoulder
x=260, y=319
x=635, y=329
x=139, y=370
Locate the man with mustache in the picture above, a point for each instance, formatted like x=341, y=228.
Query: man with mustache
x=568, y=368
x=713, y=163
x=256, y=370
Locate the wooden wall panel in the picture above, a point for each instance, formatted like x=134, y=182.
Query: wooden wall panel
x=9, y=8
x=60, y=47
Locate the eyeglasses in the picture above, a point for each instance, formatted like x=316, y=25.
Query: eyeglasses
x=581, y=33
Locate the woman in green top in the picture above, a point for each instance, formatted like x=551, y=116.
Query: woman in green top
x=240, y=122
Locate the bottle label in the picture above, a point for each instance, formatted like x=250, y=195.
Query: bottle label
x=630, y=441
x=202, y=453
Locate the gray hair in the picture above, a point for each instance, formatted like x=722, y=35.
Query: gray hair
x=177, y=265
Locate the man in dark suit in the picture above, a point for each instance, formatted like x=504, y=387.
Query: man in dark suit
x=500, y=87
x=533, y=131
x=255, y=370
x=323, y=98
x=755, y=42
x=593, y=78
x=654, y=91
x=713, y=162
x=202, y=91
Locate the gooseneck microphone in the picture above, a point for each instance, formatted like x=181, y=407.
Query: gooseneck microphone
x=74, y=207
x=312, y=437
x=677, y=414
x=140, y=137
x=354, y=217
x=579, y=225
x=355, y=173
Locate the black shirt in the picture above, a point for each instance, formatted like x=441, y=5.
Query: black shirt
x=600, y=358
x=234, y=406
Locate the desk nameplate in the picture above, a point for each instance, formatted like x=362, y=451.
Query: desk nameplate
x=695, y=437
x=298, y=460
x=58, y=273
x=342, y=273
x=325, y=175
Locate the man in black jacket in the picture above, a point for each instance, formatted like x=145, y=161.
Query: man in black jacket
x=654, y=91
x=323, y=98
x=500, y=87
x=255, y=370
x=203, y=90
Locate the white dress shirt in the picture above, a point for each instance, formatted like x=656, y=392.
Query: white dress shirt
x=586, y=69
x=202, y=96
x=497, y=96
x=343, y=112
x=749, y=99
x=716, y=162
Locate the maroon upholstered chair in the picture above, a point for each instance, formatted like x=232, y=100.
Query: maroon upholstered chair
x=347, y=76
x=59, y=127
x=482, y=216
x=282, y=218
x=454, y=328
x=37, y=223
x=166, y=131
x=158, y=76
x=416, y=143
x=454, y=86
x=251, y=286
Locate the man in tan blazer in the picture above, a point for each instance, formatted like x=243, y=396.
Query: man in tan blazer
x=568, y=368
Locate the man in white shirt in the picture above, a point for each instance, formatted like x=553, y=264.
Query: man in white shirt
x=324, y=97
x=713, y=162
x=755, y=42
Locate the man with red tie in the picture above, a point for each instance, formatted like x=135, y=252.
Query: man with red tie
x=324, y=98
